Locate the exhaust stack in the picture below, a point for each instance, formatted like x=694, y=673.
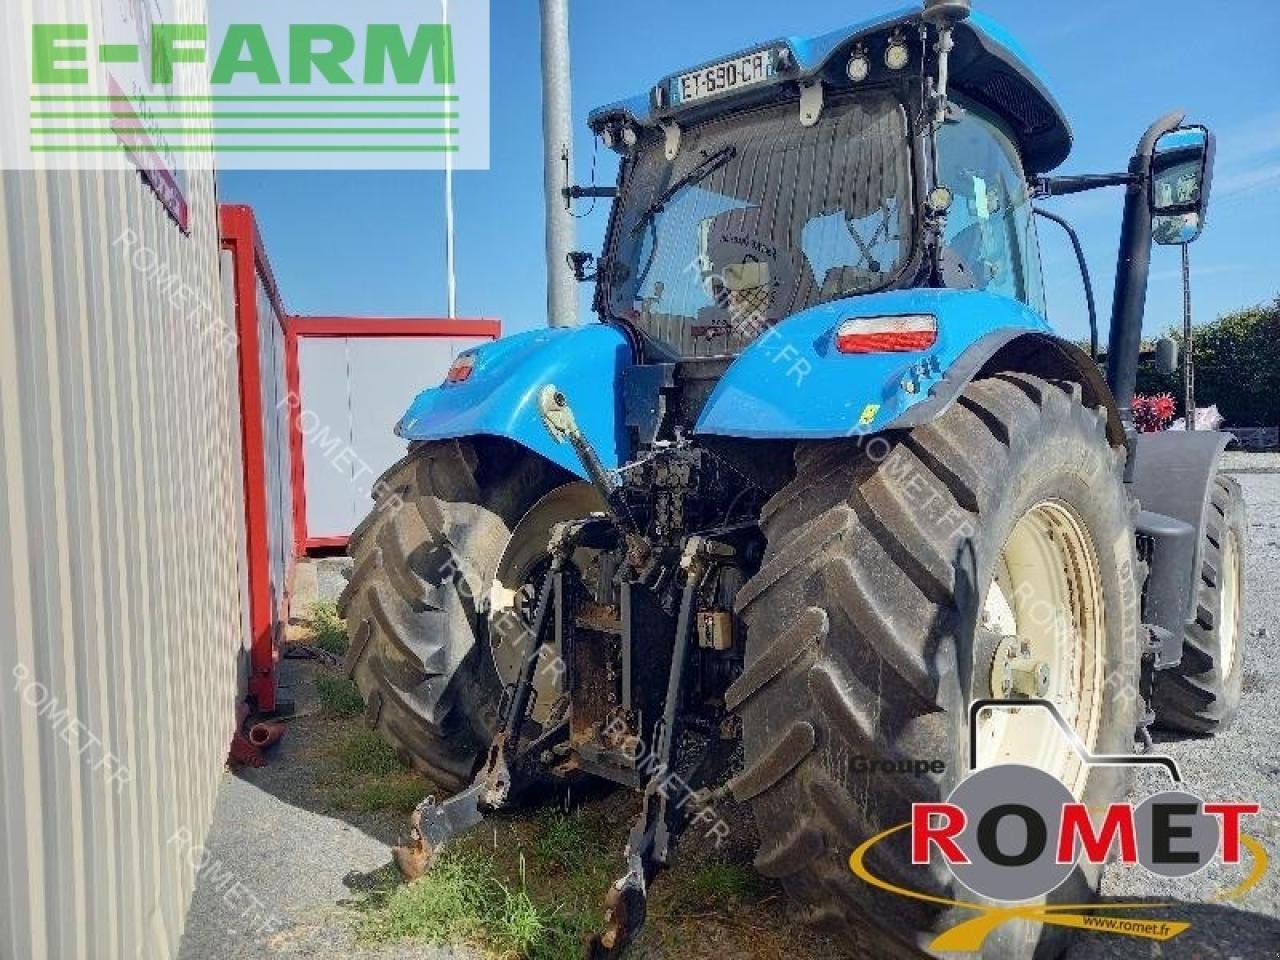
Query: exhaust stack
x=1133, y=270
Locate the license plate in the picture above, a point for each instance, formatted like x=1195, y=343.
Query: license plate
x=744, y=71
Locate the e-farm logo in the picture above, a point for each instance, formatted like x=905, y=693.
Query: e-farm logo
x=289, y=84
x=316, y=51
x=1014, y=834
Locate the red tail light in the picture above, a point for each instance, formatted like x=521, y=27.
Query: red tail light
x=907, y=334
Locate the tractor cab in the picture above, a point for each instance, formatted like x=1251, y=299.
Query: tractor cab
x=804, y=172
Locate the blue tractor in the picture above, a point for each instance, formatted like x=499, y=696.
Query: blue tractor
x=820, y=478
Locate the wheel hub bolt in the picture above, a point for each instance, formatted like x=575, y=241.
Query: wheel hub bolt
x=1024, y=677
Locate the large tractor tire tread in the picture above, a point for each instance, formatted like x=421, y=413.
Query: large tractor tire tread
x=836, y=668
x=1196, y=696
x=414, y=607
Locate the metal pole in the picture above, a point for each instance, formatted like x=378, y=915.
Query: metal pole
x=1188, y=347
x=450, y=250
x=450, y=254
x=557, y=135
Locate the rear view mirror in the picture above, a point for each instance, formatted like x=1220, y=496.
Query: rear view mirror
x=1166, y=356
x=1181, y=176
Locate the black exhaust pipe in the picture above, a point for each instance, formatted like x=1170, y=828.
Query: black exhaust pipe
x=1133, y=270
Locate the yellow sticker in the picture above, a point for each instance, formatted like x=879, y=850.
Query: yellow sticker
x=868, y=414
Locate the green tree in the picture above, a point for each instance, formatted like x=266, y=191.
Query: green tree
x=1237, y=361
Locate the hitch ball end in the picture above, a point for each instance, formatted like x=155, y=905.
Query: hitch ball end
x=417, y=856
x=557, y=418
x=414, y=860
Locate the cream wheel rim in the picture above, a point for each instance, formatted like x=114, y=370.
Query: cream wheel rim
x=1229, y=606
x=1045, y=604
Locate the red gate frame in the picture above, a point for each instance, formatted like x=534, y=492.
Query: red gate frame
x=241, y=236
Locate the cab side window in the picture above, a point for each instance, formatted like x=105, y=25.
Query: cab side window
x=990, y=227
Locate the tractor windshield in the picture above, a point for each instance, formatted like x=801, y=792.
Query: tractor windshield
x=759, y=217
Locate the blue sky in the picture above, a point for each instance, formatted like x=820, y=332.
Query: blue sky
x=373, y=243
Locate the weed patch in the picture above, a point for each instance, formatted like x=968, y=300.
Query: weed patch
x=364, y=752
x=461, y=900
x=328, y=630
x=338, y=696
x=400, y=793
x=715, y=885
x=568, y=841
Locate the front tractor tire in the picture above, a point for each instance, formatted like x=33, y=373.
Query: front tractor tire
x=902, y=571
x=448, y=523
x=1202, y=693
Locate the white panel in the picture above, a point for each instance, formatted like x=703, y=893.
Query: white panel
x=355, y=391
x=275, y=438
x=227, y=268
x=326, y=430
x=386, y=374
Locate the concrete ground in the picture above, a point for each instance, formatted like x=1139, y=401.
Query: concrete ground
x=275, y=835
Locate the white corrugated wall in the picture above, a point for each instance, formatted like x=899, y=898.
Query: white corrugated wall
x=120, y=559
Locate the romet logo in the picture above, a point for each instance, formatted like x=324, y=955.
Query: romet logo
x=293, y=84
x=1012, y=834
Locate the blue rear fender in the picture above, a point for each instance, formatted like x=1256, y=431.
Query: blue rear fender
x=500, y=398
x=792, y=383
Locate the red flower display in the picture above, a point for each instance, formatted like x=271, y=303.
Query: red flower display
x=1153, y=414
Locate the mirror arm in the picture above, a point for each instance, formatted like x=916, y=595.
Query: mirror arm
x=1084, y=274
x=1065, y=186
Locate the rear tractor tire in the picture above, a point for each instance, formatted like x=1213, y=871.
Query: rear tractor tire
x=901, y=573
x=442, y=569
x=1201, y=695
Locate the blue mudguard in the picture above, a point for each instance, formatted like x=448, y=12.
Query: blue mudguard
x=500, y=398
x=791, y=383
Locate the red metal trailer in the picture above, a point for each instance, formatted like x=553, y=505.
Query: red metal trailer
x=261, y=326
x=273, y=411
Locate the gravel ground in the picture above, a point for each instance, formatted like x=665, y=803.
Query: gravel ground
x=1238, y=461
x=291, y=860
x=288, y=860
x=331, y=577
x=1241, y=764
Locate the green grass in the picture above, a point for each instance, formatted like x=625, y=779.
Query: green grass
x=399, y=793
x=328, y=630
x=363, y=773
x=338, y=696
x=461, y=900
x=566, y=840
x=531, y=888
x=365, y=753
x=719, y=885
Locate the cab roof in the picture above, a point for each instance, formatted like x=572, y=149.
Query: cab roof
x=987, y=65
